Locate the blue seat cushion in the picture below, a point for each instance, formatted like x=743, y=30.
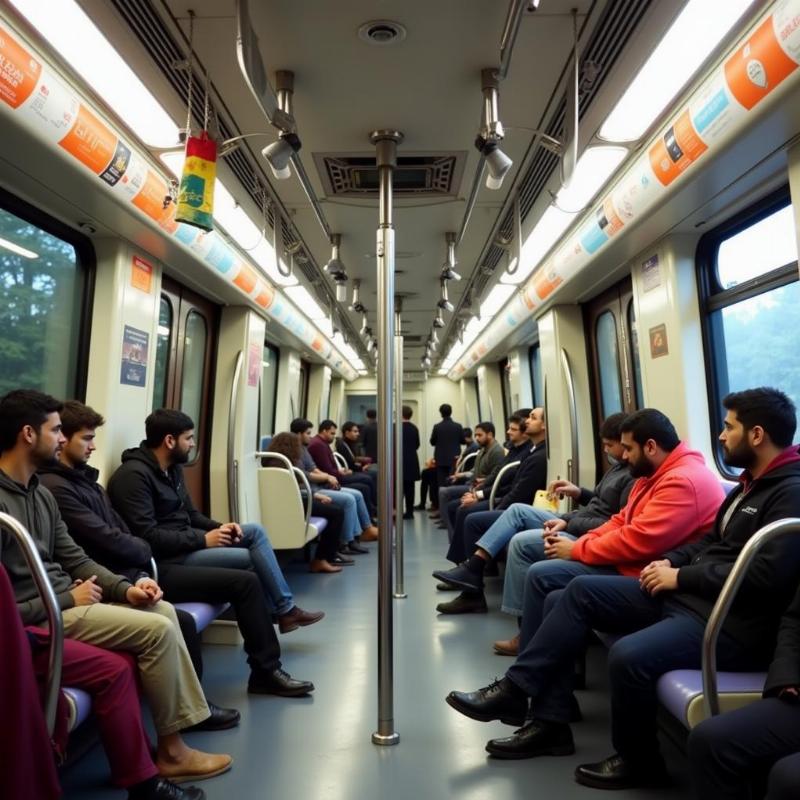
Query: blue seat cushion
x=204, y=613
x=320, y=523
x=80, y=706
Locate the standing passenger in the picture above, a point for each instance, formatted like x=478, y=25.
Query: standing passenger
x=447, y=437
x=410, y=460
x=369, y=436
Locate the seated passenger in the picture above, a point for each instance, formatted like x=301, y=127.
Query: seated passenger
x=149, y=493
x=358, y=527
x=664, y=612
x=529, y=477
x=103, y=534
x=319, y=448
x=427, y=477
x=490, y=455
x=327, y=558
x=731, y=752
x=98, y=607
x=608, y=497
x=347, y=446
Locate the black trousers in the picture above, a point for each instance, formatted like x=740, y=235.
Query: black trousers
x=456, y=552
x=364, y=485
x=408, y=494
x=329, y=538
x=240, y=588
x=428, y=481
x=194, y=644
x=730, y=755
x=442, y=473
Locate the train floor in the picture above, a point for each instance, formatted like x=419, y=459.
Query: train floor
x=319, y=748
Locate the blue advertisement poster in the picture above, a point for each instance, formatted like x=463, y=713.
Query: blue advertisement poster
x=135, y=344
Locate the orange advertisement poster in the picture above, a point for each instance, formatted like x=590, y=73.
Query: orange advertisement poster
x=528, y=297
x=676, y=150
x=141, y=274
x=150, y=198
x=246, y=279
x=19, y=71
x=265, y=297
x=91, y=141
x=757, y=67
x=613, y=224
x=545, y=283
x=317, y=344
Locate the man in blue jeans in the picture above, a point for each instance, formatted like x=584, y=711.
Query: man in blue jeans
x=149, y=492
x=663, y=614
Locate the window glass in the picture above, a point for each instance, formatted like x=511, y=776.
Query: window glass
x=478, y=399
x=535, y=356
x=41, y=290
x=768, y=244
x=756, y=339
x=269, y=389
x=194, y=356
x=505, y=384
x=633, y=327
x=608, y=363
x=163, y=342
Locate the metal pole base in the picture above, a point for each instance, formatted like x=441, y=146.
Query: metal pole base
x=398, y=596
x=385, y=739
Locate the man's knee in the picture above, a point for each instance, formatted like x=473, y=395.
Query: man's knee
x=784, y=779
x=703, y=740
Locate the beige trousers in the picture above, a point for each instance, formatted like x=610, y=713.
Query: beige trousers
x=152, y=635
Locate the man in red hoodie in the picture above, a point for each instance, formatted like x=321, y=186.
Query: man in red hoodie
x=674, y=500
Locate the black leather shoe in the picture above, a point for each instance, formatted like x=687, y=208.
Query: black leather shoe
x=615, y=772
x=341, y=561
x=499, y=700
x=535, y=738
x=408, y=516
x=353, y=549
x=420, y=507
x=221, y=719
x=278, y=682
x=446, y=587
x=461, y=577
x=166, y=790
x=465, y=603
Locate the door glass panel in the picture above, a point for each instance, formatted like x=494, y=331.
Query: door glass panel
x=633, y=327
x=194, y=356
x=163, y=342
x=269, y=389
x=536, y=375
x=41, y=288
x=608, y=363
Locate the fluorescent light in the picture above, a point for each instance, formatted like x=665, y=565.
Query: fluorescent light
x=15, y=248
x=70, y=31
x=547, y=232
x=306, y=303
x=363, y=372
x=495, y=300
x=595, y=166
x=699, y=28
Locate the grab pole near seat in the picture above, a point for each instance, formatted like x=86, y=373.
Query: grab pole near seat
x=54, y=620
x=399, y=582
x=725, y=600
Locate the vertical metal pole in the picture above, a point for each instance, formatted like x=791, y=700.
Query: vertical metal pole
x=399, y=588
x=386, y=159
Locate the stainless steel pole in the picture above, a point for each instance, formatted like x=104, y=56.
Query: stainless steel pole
x=386, y=159
x=399, y=587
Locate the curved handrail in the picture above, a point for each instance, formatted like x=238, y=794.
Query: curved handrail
x=154, y=569
x=721, y=608
x=462, y=462
x=44, y=588
x=233, y=464
x=340, y=460
x=572, y=467
x=300, y=474
x=506, y=468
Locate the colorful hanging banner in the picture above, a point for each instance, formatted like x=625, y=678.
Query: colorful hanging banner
x=196, y=194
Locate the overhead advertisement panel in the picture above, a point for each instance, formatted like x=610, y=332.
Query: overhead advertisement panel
x=725, y=104
x=55, y=114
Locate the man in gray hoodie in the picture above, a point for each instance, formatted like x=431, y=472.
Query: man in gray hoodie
x=30, y=436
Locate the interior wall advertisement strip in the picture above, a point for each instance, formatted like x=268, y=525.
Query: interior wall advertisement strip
x=725, y=104
x=55, y=114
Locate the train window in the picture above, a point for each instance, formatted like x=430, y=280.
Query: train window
x=194, y=359
x=505, y=387
x=751, y=299
x=305, y=370
x=269, y=388
x=537, y=382
x=163, y=344
x=43, y=281
x=609, y=367
x=633, y=328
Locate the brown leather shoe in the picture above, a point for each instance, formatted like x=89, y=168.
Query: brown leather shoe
x=298, y=618
x=196, y=766
x=369, y=534
x=508, y=647
x=321, y=565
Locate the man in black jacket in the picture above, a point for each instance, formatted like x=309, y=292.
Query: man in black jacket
x=446, y=438
x=410, y=460
x=663, y=613
x=369, y=436
x=149, y=493
x=731, y=752
x=98, y=528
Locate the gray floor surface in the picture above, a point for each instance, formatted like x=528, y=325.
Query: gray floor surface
x=319, y=748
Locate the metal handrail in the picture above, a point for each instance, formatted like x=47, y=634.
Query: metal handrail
x=462, y=462
x=233, y=464
x=55, y=656
x=721, y=608
x=512, y=465
x=154, y=569
x=297, y=471
x=574, y=462
x=340, y=460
